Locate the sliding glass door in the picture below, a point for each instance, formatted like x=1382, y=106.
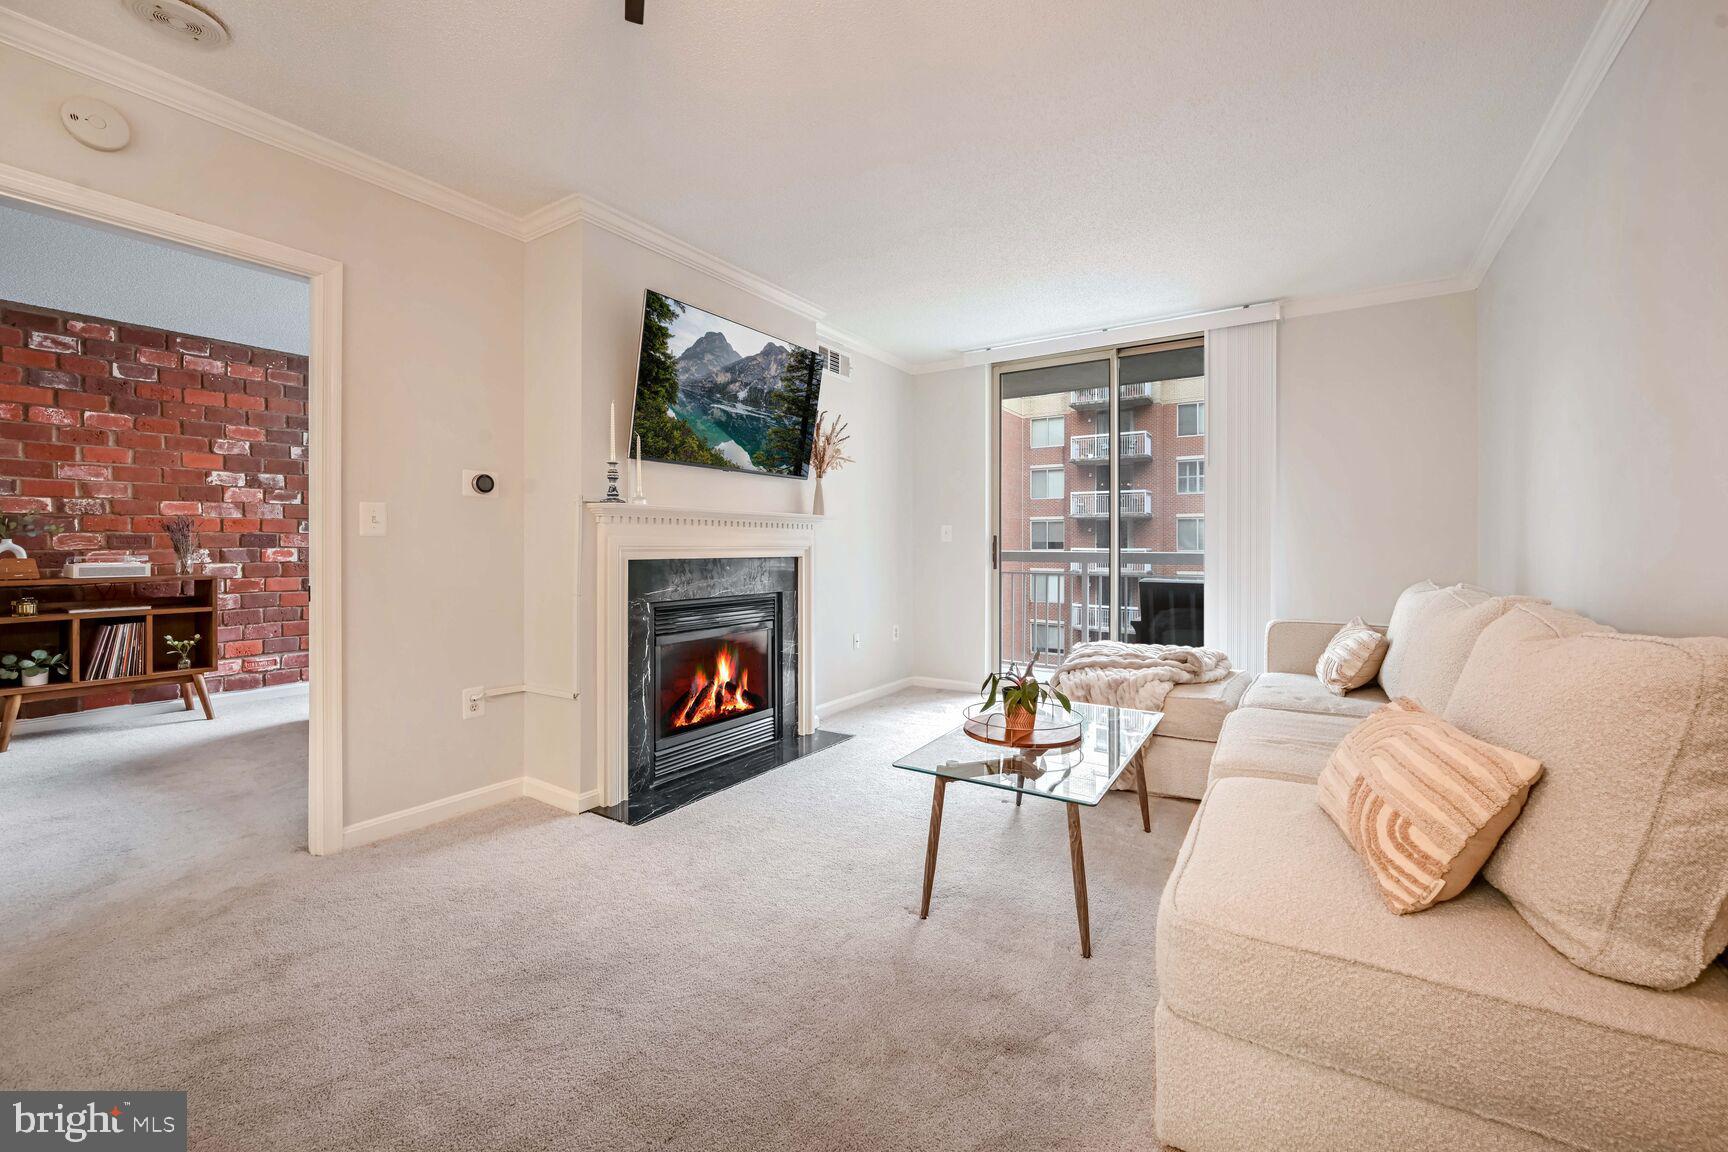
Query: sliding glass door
x=1100, y=502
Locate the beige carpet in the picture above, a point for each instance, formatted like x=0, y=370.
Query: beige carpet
x=747, y=973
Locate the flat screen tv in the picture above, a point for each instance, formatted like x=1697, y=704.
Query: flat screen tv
x=711, y=392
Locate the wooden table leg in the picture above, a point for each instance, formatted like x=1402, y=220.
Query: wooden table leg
x=1077, y=858
x=1140, y=787
x=203, y=696
x=1019, y=796
x=8, y=718
x=186, y=694
x=930, y=849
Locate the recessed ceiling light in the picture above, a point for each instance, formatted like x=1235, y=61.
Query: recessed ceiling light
x=185, y=22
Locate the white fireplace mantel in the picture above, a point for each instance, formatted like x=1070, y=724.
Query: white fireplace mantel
x=624, y=532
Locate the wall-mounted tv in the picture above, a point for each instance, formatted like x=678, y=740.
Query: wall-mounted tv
x=712, y=392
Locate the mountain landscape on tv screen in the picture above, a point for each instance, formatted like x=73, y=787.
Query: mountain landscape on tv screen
x=701, y=401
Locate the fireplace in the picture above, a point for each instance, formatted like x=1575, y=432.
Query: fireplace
x=716, y=681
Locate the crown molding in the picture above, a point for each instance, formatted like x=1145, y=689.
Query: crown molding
x=581, y=209
x=1604, y=44
x=862, y=347
x=1391, y=294
x=46, y=42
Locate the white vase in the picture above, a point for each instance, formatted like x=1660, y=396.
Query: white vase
x=35, y=679
x=7, y=548
x=816, y=506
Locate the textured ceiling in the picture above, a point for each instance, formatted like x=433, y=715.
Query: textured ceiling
x=939, y=174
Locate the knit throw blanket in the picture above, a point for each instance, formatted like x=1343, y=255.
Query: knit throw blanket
x=1135, y=675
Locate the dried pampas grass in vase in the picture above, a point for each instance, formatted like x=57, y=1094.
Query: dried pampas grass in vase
x=826, y=453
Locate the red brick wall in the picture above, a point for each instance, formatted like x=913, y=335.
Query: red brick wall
x=106, y=428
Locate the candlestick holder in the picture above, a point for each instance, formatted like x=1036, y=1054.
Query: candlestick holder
x=612, y=496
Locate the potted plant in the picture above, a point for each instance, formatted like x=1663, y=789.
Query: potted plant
x=1021, y=693
x=826, y=454
x=33, y=668
x=183, y=649
x=19, y=525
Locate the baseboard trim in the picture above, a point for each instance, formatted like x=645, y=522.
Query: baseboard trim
x=560, y=797
x=81, y=719
x=864, y=697
x=432, y=812
x=944, y=685
x=437, y=811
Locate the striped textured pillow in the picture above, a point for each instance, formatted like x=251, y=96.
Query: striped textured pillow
x=1352, y=658
x=1421, y=802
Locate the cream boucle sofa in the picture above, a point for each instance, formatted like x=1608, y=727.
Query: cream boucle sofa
x=1296, y=1012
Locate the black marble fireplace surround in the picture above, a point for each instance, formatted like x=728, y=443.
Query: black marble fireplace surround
x=661, y=773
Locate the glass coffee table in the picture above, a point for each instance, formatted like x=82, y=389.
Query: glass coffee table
x=1077, y=775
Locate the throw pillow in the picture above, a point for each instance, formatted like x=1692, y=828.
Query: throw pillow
x=1352, y=658
x=1620, y=861
x=1422, y=802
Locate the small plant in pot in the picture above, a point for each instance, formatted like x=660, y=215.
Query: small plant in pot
x=20, y=525
x=1021, y=692
x=183, y=649
x=34, y=668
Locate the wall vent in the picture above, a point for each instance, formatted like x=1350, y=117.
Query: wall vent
x=185, y=22
x=836, y=362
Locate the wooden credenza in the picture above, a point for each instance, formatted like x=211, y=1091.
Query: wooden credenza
x=167, y=607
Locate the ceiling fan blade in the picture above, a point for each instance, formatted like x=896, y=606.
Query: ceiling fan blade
x=633, y=10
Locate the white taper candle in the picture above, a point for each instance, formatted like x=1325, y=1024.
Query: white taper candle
x=612, y=433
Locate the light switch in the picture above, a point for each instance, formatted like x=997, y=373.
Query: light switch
x=947, y=533
x=372, y=521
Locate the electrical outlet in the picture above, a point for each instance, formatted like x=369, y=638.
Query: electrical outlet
x=473, y=703
x=857, y=640
x=896, y=631
x=947, y=533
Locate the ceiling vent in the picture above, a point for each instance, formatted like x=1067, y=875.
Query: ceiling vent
x=836, y=362
x=187, y=23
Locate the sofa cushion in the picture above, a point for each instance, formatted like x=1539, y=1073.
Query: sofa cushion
x=1197, y=711
x=1274, y=745
x=1266, y=933
x=1296, y=692
x=1620, y=859
x=1432, y=633
x=1352, y=658
x=1422, y=802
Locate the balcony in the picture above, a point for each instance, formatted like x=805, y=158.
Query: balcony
x=1096, y=618
x=1095, y=449
x=1127, y=396
x=1136, y=505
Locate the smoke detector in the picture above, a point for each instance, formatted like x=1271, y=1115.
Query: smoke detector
x=185, y=22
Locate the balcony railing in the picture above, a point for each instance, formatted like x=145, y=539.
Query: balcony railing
x=1096, y=618
x=1095, y=449
x=1136, y=504
x=1127, y=396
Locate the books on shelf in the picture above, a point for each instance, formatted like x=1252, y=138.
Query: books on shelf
x=117, y=650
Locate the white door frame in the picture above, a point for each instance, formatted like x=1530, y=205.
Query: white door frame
x=324, y=468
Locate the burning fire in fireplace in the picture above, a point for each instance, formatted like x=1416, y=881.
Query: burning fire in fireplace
x=726, y=694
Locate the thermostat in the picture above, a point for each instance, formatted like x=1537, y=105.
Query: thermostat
x=95, y=124
x=479, y=483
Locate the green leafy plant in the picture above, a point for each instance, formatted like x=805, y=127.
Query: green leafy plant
x=13, y=666
x=183, y=648
x=1021, y=691
x=24, y=524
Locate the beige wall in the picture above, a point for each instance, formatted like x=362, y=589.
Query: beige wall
x=1376, y=456
x=950, y=437
x=1604, y=363
x=433, y=364
x=585, y=287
